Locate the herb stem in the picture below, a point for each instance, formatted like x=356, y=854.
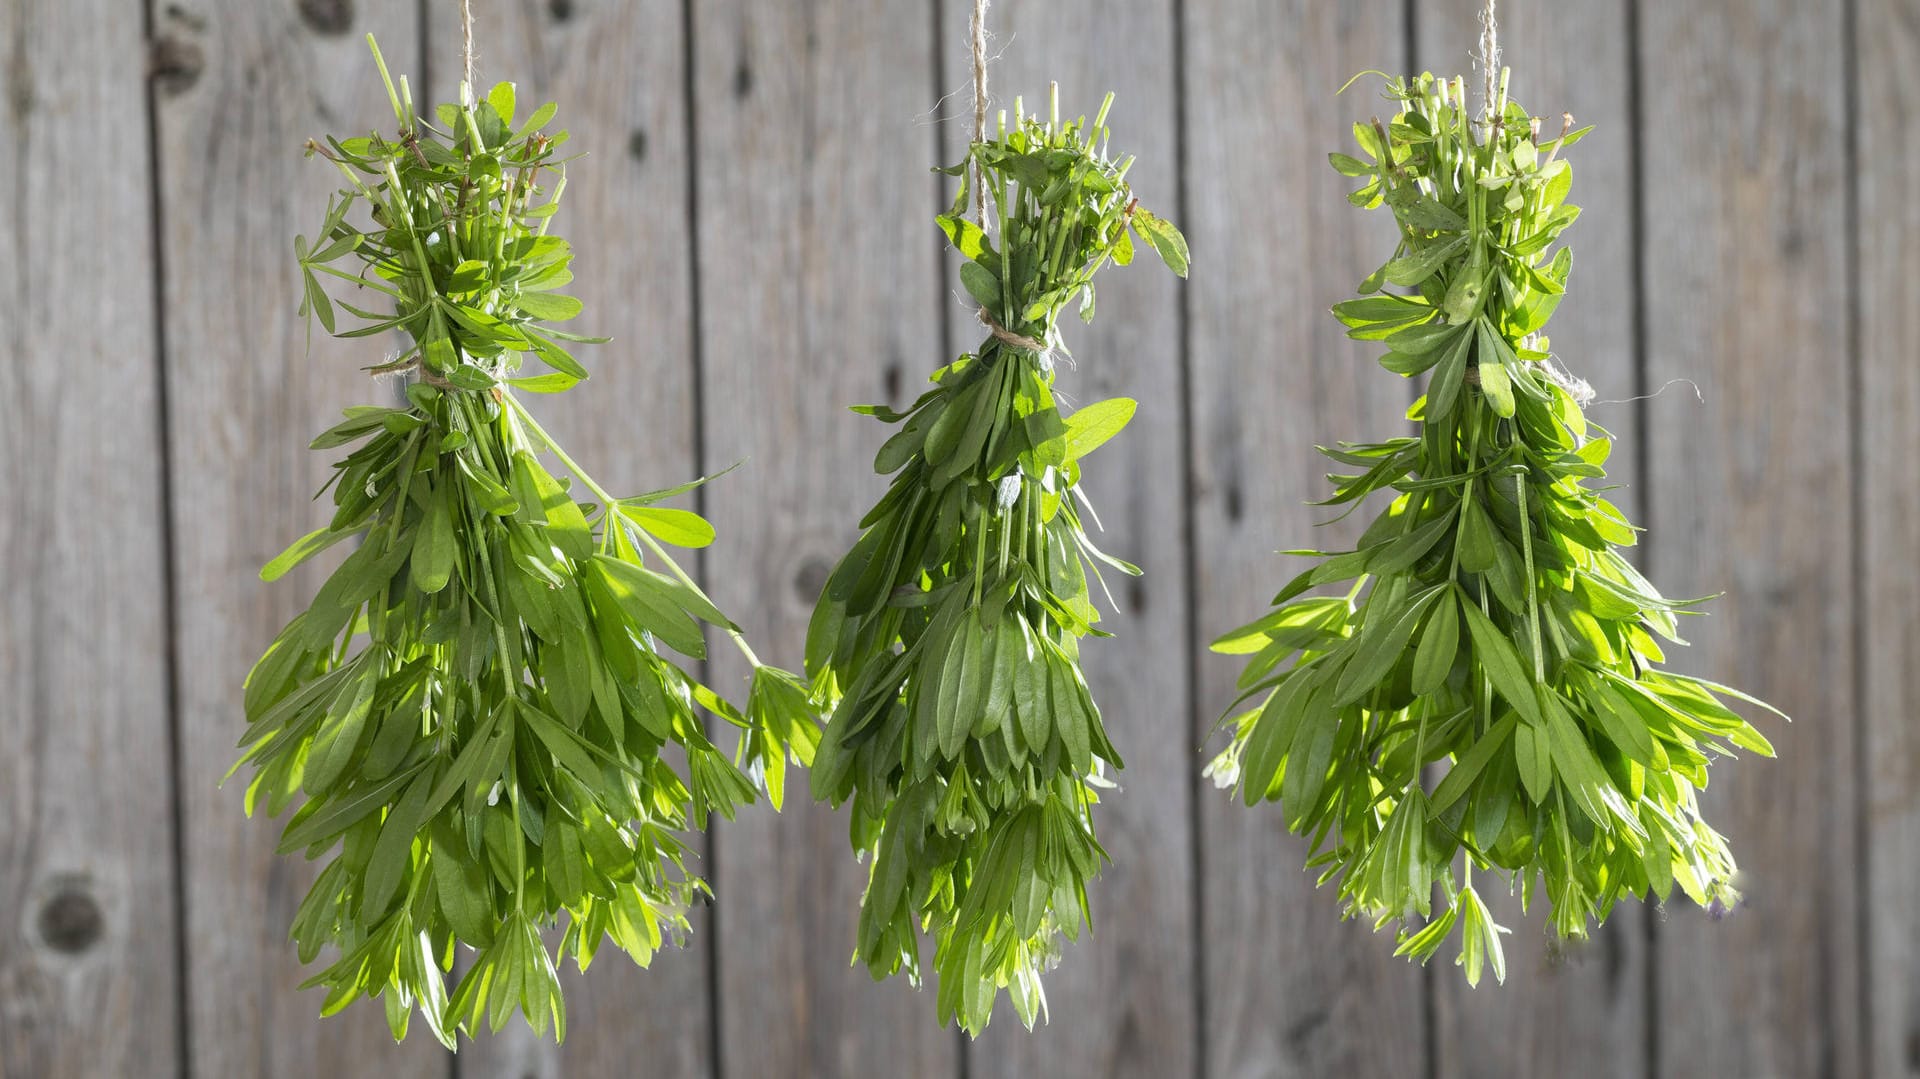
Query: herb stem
x=610, y=509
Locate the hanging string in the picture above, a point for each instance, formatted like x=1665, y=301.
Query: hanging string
x=1489, y=59
x=466, y=48
x=978, y=33
x=1664, y=387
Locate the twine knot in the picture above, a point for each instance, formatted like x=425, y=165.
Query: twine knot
x=1043, y=349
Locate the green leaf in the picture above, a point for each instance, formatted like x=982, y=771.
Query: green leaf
x=1092, y=425
x=1477, y=553
x=1424, y=263
x=1430, y=214
x=1502, y=663
x=1493, y=356
x=1388, y=310
x=565, y=863
x=300, y=550
x=1400, y=554
x=651, y=601
x=1468, y=766
x=662, y=495
x=1531, y=751
x=551, y=382
x=463, y=889
x=547, y=306
x=393, y=851
x=341, y=812
x=1575, y=762
x=1623, y=725
x=541, y=117
x=1439, y=643
x=340, y=731
x=1164, y=238
x=1347, y=165
x=434, y=548
x=567, y=749
x=555, y=357
x=950, y=725
x=1307, y=761
x=682, y=528
x=1072, y=721
x=1443, y=392
x=968, y=239
x=982, y=284
x=1374, y=654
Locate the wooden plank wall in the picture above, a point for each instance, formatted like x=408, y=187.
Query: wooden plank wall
x=89, y=923
x=754, y=227
x=1288, y=988
x=819, y=288
x=1886, y=53
x=1744, y=290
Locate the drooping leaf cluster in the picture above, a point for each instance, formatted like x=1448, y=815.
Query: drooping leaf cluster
x=471, y=715
x=946, y=642
x=1490, y=634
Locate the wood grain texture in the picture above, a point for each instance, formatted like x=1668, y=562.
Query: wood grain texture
x=1289, y=989
x=1122, y=1000
x=88, y=924
x=1566, y=1009
x=821, y=282
x=616, y=69
x=1745, y=290
x=249, y=83
x=818, y=284
x=1887, y=70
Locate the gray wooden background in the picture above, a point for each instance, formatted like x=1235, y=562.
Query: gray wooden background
x=754, y=228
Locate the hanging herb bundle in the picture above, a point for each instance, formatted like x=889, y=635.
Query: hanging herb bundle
x=948, y=637
x=1489, y=624
x=475, y=705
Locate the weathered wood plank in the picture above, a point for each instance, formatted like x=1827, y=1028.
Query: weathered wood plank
x=617, y=71
x=244, y=85
x=1746, y=294
x=87, y=946
x=1577, y=1010
x=1887, y=48
x=818, y=283
x=1289, y=989
x=1122, y=1000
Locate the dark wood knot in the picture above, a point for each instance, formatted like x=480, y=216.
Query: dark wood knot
x=71, y=921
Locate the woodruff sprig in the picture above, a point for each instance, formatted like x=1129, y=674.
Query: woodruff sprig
x=1489, y=627
x=947, y=640
x=475, y=704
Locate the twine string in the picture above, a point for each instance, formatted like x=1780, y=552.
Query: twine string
x=466, y=47
x=1489, y=58
x=977, y=32
x=1008, y=337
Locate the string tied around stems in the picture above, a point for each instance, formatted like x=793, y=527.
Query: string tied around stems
x=1045, y=350
x=977, y=35
x=977, y=39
